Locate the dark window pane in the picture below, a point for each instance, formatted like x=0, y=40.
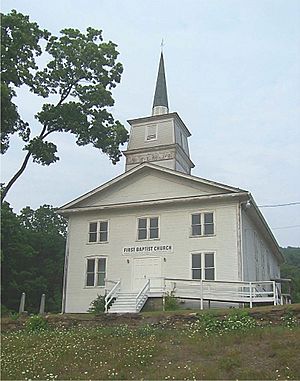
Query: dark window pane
x=103, y=236
x=208, y=229
x=93, y=227
x=102, y=265
x=209, y=260
x=208, y=218
x=101, y=279
x=90, y=265
x=142, y=223
x=103, y=226
x=93, y=237
x=196, y=274
x=154, y=233
x=154, y=222
x=196, y=261
x=142, y=234
x=209, y=274
x=195, y=219
x=90, y=279
x=196, y=230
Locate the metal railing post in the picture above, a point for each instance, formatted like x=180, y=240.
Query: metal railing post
x=250, y=285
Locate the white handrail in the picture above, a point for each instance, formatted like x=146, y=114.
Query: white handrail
x=231, y=291
x=142, y=292
x=109, y=297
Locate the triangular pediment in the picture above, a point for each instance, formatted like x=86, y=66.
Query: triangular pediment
x=149, y=182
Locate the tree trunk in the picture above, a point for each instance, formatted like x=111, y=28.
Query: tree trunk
x=15, y=177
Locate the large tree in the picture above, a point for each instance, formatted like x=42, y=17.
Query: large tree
x=32, y=256
x=77, y=80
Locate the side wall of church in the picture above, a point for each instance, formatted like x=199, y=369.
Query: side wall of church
x=175, y=246
x=258, y=261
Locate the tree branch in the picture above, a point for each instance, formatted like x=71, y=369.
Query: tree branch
x=15, y=177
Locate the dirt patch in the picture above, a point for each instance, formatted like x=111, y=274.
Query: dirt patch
x=264, y=315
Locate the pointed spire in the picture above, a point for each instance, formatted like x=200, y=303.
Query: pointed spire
x=160, y=102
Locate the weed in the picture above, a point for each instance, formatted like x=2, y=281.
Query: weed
x=36, y=323
x=289, y=320
x=171, y=302
x=97, y=306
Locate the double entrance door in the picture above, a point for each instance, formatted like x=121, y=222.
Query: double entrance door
x=144, y=269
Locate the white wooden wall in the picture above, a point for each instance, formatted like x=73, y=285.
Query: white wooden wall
x=175, y=221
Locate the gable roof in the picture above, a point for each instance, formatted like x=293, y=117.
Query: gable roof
x=222, y=188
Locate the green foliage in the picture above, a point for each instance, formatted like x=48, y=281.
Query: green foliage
x=291, y=269
x=33, y=246
x=289, y=319
x=20, y=45
x=208, y=324
x=78, y=77
x=97, y=306
x=171, y=302
x=36, y=323
x=5, y=311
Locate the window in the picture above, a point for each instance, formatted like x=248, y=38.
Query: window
x=98, y=231
x=203, y=266
x=95, y=272
x=203, y=224
x=148, y=228
x=151, y=132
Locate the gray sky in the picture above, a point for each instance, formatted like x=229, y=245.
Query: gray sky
x=233, y=75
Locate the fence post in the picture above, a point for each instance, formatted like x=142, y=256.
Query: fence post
x=201, y=294
x=250, y=285
x=22, y=303
x=42, y=305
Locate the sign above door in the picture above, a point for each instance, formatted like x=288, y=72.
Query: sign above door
x=154, y=249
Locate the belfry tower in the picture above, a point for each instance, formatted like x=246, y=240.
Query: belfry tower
x=162, y=138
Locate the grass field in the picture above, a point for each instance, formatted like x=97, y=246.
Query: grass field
x=206, y=349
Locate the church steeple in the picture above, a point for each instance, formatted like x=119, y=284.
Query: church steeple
x=162, y=138
x=160, y=101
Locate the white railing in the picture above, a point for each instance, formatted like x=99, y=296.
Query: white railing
x=112, y=294
x=229, y=291
x=142, y=296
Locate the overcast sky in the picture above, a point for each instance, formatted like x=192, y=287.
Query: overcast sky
x=233, y=75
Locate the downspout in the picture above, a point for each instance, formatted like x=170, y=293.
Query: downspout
x=64, y=290
x=240, y=241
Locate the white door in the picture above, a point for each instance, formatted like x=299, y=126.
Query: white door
x=144, y=269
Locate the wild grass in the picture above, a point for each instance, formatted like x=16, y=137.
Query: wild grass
x=236, y=348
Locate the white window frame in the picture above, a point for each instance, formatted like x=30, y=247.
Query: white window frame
x=202, y=213
x=96, y=271
x=98, y=222
x=147, y=228
x=203, y=268
x=147, y=128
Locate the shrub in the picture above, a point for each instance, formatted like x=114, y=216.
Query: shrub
x=171, y=302
x=4, y=310
x=97, y=307
x=289, y=320
x=36, y=323
x=209, y=324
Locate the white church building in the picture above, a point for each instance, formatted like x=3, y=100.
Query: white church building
x=156, y=229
